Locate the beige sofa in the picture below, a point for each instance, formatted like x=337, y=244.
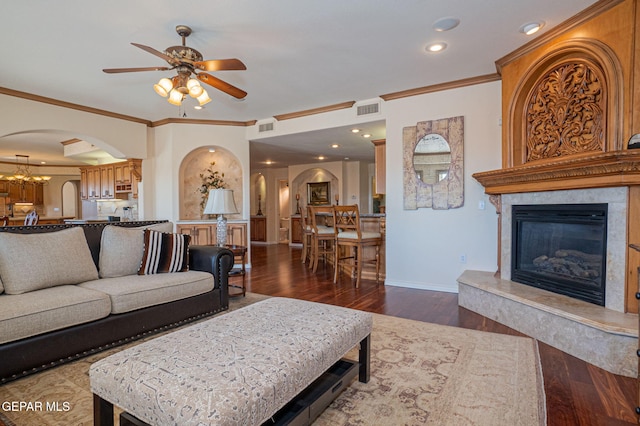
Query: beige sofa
x=51, y=287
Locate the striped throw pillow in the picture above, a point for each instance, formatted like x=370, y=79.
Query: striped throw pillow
x=164, y=252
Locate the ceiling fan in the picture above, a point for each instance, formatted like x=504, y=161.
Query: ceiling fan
x=187, y=61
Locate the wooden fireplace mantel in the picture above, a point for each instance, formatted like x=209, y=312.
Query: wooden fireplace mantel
x=608, y=169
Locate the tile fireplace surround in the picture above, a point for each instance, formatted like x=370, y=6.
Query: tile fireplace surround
x=604, y=336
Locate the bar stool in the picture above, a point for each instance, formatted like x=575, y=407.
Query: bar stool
x=306, y=235
x=322, y=236
x=349, y=235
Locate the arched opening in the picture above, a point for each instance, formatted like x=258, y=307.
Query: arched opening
x=71, y=206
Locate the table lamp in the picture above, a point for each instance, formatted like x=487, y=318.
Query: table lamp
x=220, y=202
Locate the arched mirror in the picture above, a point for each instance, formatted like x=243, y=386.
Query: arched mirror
x=431, y=159
x=433, y=164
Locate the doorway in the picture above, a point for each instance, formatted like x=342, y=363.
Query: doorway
x=284, y=211
x=71, y=199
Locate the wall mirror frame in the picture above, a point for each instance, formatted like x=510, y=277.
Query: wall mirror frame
x=433, y=164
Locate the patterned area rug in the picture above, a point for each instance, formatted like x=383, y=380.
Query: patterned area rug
x=421, y=374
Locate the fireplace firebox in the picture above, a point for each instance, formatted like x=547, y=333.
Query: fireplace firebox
x=561, y=248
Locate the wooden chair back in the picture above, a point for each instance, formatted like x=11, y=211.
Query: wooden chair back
x=347, y=218
x=318, y=216
x=31, y=218
x=4, y=220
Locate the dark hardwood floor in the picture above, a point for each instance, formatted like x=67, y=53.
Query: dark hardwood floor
x=577, y=393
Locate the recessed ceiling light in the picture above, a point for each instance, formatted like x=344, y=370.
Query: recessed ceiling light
x=531, y=27
x=335, y=145
x=366, y=135
x=198, y=107
x=446, y=24
x=355, y=130
x=436, y=47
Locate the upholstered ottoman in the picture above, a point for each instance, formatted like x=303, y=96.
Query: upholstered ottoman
x=237, y=368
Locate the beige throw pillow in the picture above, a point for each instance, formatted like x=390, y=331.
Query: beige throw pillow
x=31, y=262
x=121, y=249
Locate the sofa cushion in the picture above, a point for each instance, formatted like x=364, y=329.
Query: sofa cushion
x=121, y=249
x=140, y=291
x=37, y=312
x=34, y=261
x=164, y=252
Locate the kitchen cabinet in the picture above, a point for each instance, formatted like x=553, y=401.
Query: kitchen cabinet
x=296, y=230
x=107, y=183
x=111, y=181
x=259, y=228
x=380, y=155
x=90, y=183
x=27, y=192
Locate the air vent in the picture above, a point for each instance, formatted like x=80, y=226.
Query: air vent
x=266, y=127
x=369, y=109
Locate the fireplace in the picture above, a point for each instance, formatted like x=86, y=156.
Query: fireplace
x=561, y=248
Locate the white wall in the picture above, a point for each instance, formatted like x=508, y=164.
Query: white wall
x=168, y=145
x=424, y=246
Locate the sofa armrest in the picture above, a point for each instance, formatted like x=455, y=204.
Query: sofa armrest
x=215, y=260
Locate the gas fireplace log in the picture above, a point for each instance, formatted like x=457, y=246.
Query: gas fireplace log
x=579, y=254
x=567, y=266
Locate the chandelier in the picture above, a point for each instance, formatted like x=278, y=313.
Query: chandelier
x=177, y=88
x=23, y=173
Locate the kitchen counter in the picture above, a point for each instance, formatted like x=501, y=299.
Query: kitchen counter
x=42, y=220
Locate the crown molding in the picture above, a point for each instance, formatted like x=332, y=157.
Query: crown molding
x=471, y=81
x=200, y=121
x=51, y=101
x=313, y=111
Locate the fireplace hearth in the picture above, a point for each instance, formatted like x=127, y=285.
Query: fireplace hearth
x=561, y=248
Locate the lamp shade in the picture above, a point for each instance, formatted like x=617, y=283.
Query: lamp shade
x=220, y=201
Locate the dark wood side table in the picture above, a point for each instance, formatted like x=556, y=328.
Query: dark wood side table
x=239, y=253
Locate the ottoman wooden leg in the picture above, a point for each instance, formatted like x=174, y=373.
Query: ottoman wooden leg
x=364, y=357
x=102, y=412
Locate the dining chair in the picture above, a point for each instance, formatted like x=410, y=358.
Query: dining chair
x=306, y=234
x=31, y=218
x=322, y=235
x=4, y=220
x=351, y=238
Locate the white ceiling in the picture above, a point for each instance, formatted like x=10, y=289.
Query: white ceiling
x=300, y=54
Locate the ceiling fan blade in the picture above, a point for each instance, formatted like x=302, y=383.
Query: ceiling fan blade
x=222, y=85
x=157, y=53
x=119, y=70
x=220, y=65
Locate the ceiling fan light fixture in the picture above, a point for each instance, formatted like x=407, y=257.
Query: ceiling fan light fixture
x=204, y=98
x=175, y=97
x=194, y=87
x=163, y=87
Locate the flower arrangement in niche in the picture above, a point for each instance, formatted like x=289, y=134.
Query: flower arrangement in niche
x=211, y=179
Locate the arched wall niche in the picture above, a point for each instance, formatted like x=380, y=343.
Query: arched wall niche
x=564, y=64
x=317, y=174
x=196, y=163
x=259, y=191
